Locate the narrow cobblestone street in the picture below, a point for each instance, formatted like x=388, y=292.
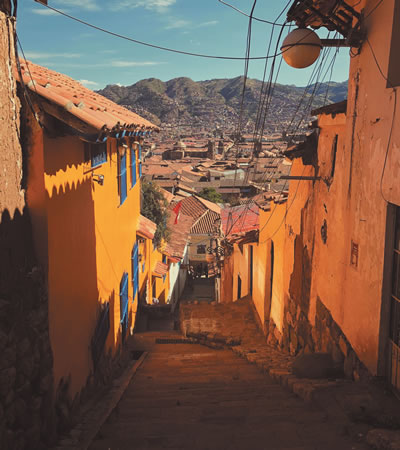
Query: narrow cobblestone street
x=189, y=396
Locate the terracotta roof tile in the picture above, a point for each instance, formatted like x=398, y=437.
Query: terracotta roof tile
x=192, y=207
x=88, y=106
x=146, y=227
x=206, y=224
x=179, y=234
x=160, y=269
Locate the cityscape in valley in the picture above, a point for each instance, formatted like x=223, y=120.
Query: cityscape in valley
x=198, y=146
x=208, y=264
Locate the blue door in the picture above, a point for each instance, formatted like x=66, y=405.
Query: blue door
x=133, y=167
x=123, y=297
x=123, y=178
x=135, y=269
x=140, y=161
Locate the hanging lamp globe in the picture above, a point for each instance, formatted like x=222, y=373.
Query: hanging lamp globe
x=301, y=48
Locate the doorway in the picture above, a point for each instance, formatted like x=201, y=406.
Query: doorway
x=393, y=372
x=239, y=288
x=251, y=270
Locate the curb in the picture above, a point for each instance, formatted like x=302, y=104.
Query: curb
x=82, y=435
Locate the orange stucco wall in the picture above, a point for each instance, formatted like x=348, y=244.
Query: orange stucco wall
x=160, y=286
x=261, y=283
x=353, y=204
x=90, y=237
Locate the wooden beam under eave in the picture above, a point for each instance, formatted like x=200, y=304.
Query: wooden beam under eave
x=61, y=114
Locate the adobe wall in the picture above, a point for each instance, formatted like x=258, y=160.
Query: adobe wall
x=27, y=417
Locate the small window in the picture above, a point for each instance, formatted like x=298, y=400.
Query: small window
x=164, y=259
x=201, y=249
x=96, y=153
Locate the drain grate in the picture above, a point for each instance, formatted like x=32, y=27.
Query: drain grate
x=174, y=341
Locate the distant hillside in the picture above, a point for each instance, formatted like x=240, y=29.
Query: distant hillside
x=214, y=103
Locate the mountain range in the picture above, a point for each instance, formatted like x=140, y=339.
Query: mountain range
x=217, y=103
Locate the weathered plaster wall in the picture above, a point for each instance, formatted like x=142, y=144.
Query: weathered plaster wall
x=27, y=418
x=261, y=284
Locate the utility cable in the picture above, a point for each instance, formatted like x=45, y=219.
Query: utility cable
x=167, y=49
x=254, y=18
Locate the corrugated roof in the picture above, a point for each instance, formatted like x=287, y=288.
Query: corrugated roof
x=146, y=227
x=89, y=107
x=240, y=219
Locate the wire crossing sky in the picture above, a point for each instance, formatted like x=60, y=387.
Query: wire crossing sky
x=207, y=27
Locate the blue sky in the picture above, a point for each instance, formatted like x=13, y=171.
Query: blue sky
x=199, y=26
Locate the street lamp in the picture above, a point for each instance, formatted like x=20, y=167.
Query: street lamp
x=302, y=46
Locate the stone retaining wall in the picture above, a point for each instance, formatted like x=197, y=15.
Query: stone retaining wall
x=326, y=337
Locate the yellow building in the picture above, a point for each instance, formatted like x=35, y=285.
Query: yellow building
x=83, y=193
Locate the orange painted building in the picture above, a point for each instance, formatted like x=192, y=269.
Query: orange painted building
x=335, y=277
x=84, y=198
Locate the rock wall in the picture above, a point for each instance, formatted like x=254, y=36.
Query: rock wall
x=27, y=419
x=325, y=336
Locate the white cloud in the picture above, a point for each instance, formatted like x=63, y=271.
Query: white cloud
x=155, y=5
x=208, y=24
x=177, y=23
x=44, y=12
x=133, y=63
x=40, y=55
x=89, y=83
x=89, y=5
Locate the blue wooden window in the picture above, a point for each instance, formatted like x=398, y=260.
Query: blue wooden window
x=123, y=299
x=135, y=269
x=140, y=161
x=96, y=153
x=122, y=177
x=100, y=334
x=133, y=166
x=164, y=259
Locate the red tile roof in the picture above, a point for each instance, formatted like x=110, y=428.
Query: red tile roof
x=206, y=224
x=240, y=219
x=192, y=207
x=160, y=269
x=95, y=110
x=179, y=234
x=146, y=227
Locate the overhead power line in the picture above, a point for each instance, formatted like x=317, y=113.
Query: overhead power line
x=159, y=47
x=253, y=17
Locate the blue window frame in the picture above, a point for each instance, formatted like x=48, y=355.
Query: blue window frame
x=122, y=177
x=164, y=259
x=140, y=161
x=123, y=299
x=96, y=153
x=133, y=166
x=135, y=269
x=100, y=333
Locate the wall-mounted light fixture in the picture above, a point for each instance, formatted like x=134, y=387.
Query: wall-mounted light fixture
x=302, y=46
x=98, y=178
